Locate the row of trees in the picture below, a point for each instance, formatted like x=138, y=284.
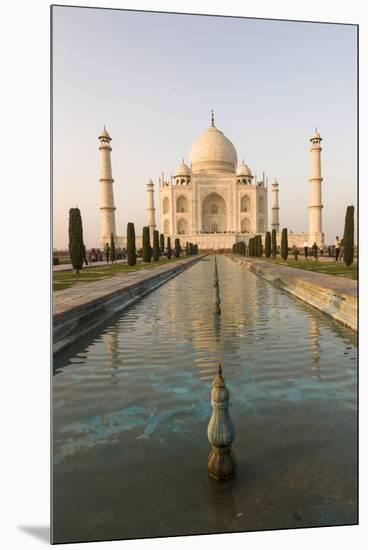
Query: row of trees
x=158, y=248
x=255, y=247
x=77, y=249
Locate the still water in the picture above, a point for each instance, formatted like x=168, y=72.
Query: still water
x=131, y=408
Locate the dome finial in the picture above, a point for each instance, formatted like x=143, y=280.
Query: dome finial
x=212, y=118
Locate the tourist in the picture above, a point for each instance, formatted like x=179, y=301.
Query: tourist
x=341, y=255
x=315, y=251
x=85, y=254
x=305, y=246
x=107, y=252
x=337, y=247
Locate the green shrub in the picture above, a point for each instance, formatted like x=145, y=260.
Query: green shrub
x=156, y=247
x=273, y=243
x=55, y=261
x=268, y=244
x=76, y=239
x=112, y=247
x=131, y=250
x=162, y=244
x=146, y=244
x=260, y=246
x=284, y=244
x=177, y=248
x=348, y=243
x=169, y=249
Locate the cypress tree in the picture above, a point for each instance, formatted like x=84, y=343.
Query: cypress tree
x=177, y=248
x=76, y=239
x=162, y=244
x=146, y=244
x=112, y=248
x=187, y=248
x=250, y=247
x=260, y=246
x=131, y=251
x=349, y=236
x=242, y=248
x=284, y=244
x=169, y=249
x=256, y=246
x=156, y=247
x=268, y=244
x=274, y=243
x=195, y=249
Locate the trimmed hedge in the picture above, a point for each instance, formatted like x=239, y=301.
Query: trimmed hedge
x=169, y=249
x=273, y=243
x=348, y=243
x=131, y=250
x=146, y=253
x=284, y=244
x=76, y=252
x=177, y=248
x=268, y=244
x=156, y=247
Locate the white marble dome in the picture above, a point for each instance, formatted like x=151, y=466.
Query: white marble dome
x=213, y=151
x=182, y=170
x=243, y=170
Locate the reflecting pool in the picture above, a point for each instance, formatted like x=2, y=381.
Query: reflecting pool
x=131, y=408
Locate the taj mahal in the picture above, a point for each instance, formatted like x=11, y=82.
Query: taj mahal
x=213, y=201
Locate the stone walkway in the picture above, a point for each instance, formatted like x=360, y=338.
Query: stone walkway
x=84, y=293
x=340, y=285
x=335, y=296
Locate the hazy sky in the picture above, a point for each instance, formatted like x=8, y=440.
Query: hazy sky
x=153, y=80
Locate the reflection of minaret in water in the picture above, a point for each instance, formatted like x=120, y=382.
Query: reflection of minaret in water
x=314, y=335
x=112, y=353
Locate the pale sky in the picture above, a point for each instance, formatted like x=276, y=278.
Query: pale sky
x=153, y=80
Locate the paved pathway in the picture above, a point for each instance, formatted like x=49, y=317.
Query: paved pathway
x=339, y=285
x=83, y=293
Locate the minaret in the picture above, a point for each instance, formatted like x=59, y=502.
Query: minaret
x=106, y=189
x=315, y=200
x=275, y=207
x=151, y=208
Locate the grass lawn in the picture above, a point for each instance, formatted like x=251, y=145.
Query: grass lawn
x=66, y=279
x=330, y=268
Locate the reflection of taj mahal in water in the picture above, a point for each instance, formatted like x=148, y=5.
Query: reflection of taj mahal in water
x=214, y=202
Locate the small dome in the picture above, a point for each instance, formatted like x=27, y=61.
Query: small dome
x=213, y=151
x=104, y=134
x=316, y=135
x=182, y=170
x=243, y=170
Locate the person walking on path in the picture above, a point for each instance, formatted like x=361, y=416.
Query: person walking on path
x=107, y=252
x=337, y=247
x=315, y=251
x=305, y=246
